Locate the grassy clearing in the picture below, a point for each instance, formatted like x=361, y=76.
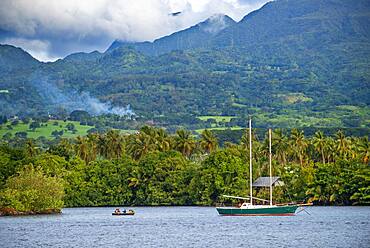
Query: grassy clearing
x=46, y=129
x=293, y=98
x=224, y=119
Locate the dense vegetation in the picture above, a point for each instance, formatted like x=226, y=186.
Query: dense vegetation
x=30, y=191
x=294, y=63
x=152, y=167
x=291, y=64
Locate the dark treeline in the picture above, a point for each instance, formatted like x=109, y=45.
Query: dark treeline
x=152, y=167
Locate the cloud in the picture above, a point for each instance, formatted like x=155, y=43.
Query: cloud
x=50, y=29
x=37, y=48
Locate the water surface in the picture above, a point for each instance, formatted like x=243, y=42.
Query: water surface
x=188, y=227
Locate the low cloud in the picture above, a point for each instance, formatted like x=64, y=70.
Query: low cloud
x=37, y=48
x=50, y=29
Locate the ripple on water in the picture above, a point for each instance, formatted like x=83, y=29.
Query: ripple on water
x=188, y=227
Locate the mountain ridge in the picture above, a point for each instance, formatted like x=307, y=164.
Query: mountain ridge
x=192, y=37
x=15, y=58
x=303, y=73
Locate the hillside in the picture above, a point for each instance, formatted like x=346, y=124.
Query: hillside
x=197, y=36
x=17, y=95
x=15, y=59
x=305, y=23
x=47, y=130
x=289, y=64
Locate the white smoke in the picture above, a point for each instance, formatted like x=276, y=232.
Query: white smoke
x=96, y=107
x=215, y=24
x=73, y=100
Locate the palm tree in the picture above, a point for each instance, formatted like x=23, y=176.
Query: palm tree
x=92, y=141
x=150, y=131
x=364, y=149
x=184, y=143
x=299, y=144
x=280, y=146
x=140, y=144
x=331, y=150
x=342, y=144
x=114, y=143
x=86, y=147
x=320, y=143
x=102, y=146
x=163, y=141
x=81, y=148
x=208, y=141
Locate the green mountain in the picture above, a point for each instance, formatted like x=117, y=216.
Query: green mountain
x=292, y=63
x=17, y=95
x=83, y=57
x=14, y=59
x=305, y=23
x=196, y=36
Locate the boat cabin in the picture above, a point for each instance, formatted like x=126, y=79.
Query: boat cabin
x=265, y=182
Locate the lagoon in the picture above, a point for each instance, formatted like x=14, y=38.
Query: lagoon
x=188, y=227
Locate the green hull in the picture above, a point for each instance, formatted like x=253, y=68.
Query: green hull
x=264, y=211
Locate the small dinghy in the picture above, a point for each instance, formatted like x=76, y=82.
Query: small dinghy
x=124, y=212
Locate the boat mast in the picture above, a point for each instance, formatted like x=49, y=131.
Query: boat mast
x=270, y=134
x=250, y=161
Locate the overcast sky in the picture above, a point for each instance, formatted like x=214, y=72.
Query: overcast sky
x=52, y=29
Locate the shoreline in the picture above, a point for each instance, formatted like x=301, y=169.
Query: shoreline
x=200, y=206
x=13, y=212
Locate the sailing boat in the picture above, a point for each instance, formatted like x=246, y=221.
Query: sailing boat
x=248, y=208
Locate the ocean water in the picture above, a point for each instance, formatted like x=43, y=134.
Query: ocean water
x=188, y=227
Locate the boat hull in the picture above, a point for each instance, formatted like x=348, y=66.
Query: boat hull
x=263, y=211
x=123, y=213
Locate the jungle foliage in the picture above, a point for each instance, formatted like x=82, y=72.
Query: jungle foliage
x=152, y=167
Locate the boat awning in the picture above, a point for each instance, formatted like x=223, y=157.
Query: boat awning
x=265, y=182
